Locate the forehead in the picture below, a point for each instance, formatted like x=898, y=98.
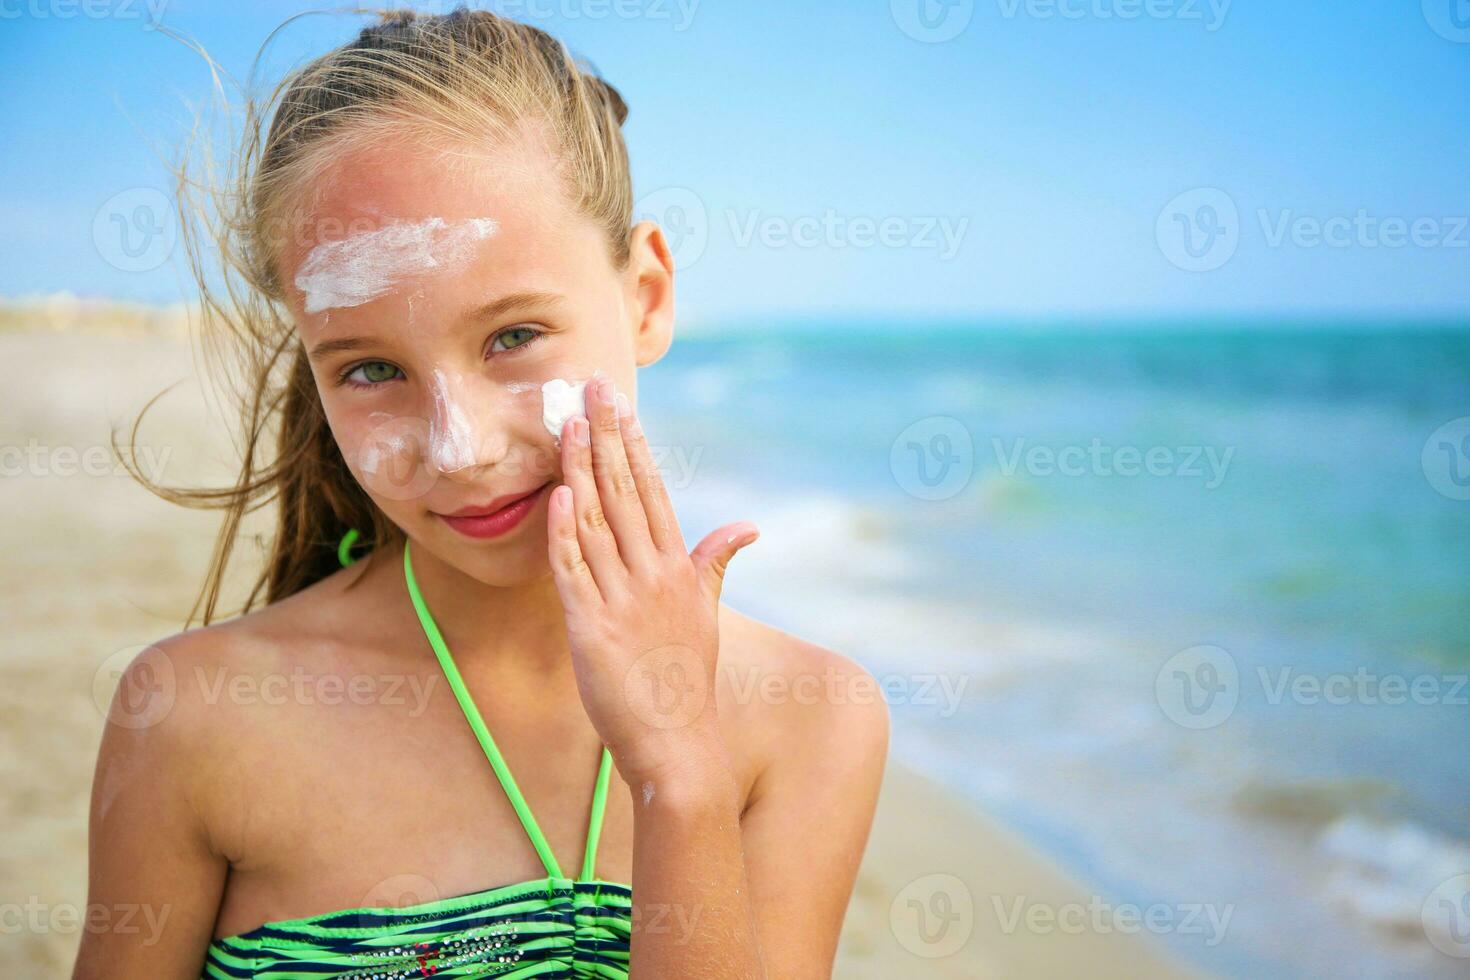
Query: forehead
x=538, y=240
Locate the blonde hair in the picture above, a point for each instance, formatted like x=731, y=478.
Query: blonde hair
x=468, y=78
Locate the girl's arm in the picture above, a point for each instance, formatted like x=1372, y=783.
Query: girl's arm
x=692, y=909
x=713, y=884
x=807, y=820
x=643, y=624
x=154, y=884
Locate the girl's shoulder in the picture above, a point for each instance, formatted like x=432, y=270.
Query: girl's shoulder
x=225, y=686
x=790, y=699
x=294, y=633
x=226, y=705
x=751, y=647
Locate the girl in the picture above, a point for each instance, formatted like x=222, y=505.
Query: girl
x=492, y=719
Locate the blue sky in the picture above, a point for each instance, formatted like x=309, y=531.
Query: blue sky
x=1050, y=158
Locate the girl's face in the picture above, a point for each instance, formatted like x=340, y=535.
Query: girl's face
x=435, y=296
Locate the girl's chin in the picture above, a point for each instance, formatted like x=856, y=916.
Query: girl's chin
x=506, y=559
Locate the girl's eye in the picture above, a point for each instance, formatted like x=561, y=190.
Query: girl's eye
x=516, y=337
x=372, y=372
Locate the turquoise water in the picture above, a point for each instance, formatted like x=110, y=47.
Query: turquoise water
x=1324, y=519
x=1291, y=519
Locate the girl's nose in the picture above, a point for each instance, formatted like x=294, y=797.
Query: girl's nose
x=467, y=428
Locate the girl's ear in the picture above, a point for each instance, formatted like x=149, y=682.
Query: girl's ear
x=651, y=276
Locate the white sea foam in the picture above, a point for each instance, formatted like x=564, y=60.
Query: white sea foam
x=1383, y=871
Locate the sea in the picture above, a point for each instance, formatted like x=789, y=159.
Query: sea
x=1186, y=604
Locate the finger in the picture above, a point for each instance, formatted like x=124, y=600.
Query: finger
x=658, y=509
x=574, y=581
x=614, y=478
x=712, y=555
x=599, y=548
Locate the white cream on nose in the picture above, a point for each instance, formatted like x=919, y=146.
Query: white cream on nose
x=451, y=437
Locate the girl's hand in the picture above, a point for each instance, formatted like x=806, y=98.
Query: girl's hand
x=642, y=613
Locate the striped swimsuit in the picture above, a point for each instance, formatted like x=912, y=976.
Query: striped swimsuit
x=548, y=927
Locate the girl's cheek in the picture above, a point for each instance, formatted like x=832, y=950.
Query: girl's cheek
x=389, y=456
x=467, y=425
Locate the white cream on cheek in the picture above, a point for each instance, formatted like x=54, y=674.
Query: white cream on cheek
x=560, y=400
x=352, y=271
x=452, y=437
x=382, y=445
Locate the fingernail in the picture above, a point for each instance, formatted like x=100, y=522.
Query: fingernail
x=584, y=432
x=607, y=390
x=625, y=407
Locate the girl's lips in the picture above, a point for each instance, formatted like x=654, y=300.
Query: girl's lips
x=494, y=523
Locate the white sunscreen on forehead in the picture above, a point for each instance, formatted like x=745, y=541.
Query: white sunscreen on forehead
x=560, y=400
x=355, y=270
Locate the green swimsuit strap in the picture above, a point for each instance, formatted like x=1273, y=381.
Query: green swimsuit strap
x=492, y=752
x=344, y=547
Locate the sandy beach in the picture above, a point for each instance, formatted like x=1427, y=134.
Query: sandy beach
x=96, y=567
